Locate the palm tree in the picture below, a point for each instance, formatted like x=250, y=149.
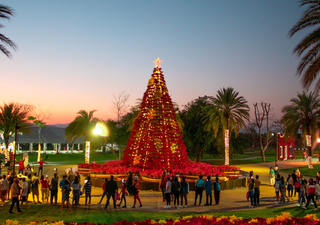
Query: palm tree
x=5, y=13
x=83, y=125
x=229, y=111
x=12, y=115
x=304, y=110
x=309, y=65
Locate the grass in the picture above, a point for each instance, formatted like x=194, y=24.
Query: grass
x=305, y=171
x=51, y=213
x=69, y=158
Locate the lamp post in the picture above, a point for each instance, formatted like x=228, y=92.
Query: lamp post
x=15, y=148
x=100, y=130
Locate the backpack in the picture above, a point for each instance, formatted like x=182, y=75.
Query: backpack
x=218, y=188
x=297, y=184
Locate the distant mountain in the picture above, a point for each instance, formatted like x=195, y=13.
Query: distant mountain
x=60, y=125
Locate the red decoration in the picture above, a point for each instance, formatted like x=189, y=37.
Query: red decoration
x=155, y=141
x=286, y=148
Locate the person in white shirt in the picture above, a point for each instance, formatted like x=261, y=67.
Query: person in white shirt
x=25, y=192
x=168, y=192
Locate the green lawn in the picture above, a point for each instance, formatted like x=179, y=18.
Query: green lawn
x=305, y=171
x=51, y=213
x=69, y=158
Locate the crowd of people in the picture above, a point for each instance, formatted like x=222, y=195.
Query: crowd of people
x=27, y=188
x=295, y=186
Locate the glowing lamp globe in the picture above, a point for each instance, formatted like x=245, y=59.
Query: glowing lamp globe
x=101, y=129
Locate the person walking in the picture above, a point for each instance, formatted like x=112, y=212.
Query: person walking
x=176, y=192
x=25, y=192
x=168, y=193
x=54, y=188
x=208, y=185
x=123, y=194
x=163, y=185
x=111, y=190
x=251, y=191
x=184, y=192
x=217, y=189
x=311, y=194
x=87, y=187
x=302, y=193
x=41, y=162
x=15, y=193
x=256, y=195
x=35, y=187
x=104, y=189
x=130, y=183
x=271, y=176
x=199, y=190
x=4, y=189
x=21, y=166
x=136, y=191
x=76, y=187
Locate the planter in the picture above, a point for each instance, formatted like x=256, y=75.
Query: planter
x=152, y=180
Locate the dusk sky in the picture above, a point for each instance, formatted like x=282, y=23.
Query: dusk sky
x=74, y=55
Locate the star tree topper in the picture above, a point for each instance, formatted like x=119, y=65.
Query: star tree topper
x=157, y=63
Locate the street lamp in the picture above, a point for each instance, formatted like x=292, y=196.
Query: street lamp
x=100, y=130
x=15, y=148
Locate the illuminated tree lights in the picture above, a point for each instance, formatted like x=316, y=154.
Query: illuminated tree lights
x=155, y=141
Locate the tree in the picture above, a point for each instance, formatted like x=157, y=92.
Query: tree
x=303, y=110
x=120, y=104
x=39, y=120
x=155, y=140
x=259, y=122
x=309, y=65
x=197, y=140
x=230, y=111
x=5, y=13
x=83, y=125
x=13, y=114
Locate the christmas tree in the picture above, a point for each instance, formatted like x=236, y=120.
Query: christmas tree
x=156, y=141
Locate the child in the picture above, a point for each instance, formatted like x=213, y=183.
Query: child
x=124, y=193
x=208, y=185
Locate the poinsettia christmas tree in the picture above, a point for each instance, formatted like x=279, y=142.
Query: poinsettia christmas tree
x=156, y=141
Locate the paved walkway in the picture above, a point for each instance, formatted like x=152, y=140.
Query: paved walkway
x=231, y=200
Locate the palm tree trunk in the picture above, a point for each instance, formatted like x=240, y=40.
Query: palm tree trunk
x=226, y=146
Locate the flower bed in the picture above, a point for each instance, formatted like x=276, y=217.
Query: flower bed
x=115, y=167
x=285, y=218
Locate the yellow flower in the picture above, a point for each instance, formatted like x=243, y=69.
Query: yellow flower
x=58, y=223
x=270, y=220
x=311, y=217
x=253, y=221
x=12, y=222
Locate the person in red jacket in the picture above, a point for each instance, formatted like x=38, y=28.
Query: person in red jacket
x=41, y=166
x=104, y=188
x=163, y=185
x=311, y=194
x=21, y=166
